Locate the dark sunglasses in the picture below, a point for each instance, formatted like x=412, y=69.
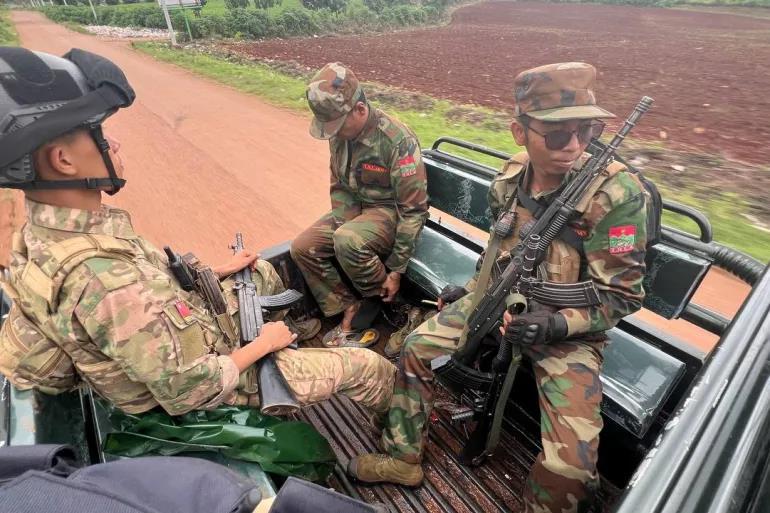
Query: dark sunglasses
x=558, y=139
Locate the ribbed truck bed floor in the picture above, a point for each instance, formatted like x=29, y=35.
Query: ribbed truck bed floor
x=449, y=486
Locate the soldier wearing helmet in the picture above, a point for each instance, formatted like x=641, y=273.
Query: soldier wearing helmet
x=93, y=301
x=379, y=205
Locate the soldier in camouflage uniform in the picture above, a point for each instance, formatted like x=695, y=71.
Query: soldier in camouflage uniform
x=95, y=302
x=379, y=204
x=556, y=116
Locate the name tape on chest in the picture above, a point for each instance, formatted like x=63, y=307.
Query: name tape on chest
x=368, y=166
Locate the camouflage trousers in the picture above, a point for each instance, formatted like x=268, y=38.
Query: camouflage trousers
x=357, y=246
x=567, y=374
x=315, y=375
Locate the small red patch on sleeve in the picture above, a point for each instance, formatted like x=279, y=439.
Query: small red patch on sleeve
x=622, y=239
x=183, y=309
x=408, y=160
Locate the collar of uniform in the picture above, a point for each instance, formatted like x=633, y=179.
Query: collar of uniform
x=372, y=122
x=106, y=221
x=567, y=177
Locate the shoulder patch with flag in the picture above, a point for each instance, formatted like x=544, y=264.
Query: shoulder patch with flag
x=622, y=239
x=407, y=166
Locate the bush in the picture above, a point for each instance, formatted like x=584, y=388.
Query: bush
x=266, y=4
x=112, y=2
x=332, y=5
x=326, y=16
x=294, y=21
x=253, y=24
x=236, y=4
x=209, y=26
x=402, y=15
x=380, y=5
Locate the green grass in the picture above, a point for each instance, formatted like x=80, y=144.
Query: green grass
x=8, y=35
x=216, y=6
x=277, y=88
x=731, y=228
x=723, y=209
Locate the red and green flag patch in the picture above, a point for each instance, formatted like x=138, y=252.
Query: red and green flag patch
x=407, y=166
x=622, y=239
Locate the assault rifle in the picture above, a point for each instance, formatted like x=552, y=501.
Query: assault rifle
x=275, y=396
x=486, y=392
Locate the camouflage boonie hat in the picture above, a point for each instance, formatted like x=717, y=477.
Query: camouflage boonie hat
x=558, y=92
x=331, y=95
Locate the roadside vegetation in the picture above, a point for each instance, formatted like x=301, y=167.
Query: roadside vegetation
x=7, y=32
x=254, y=19
x=284, y=85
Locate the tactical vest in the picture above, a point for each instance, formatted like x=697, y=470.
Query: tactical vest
x=39, y=346
x=562, y=262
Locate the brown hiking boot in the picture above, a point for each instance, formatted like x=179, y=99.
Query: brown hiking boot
x=381, y=468
x=377, y=421
x=396, y=341
x=305, y=330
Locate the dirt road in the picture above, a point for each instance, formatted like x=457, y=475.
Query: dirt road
x=204, y=161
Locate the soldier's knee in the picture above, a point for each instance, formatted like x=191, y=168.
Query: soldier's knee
x=376, y=367
x=300, y=247
x=345, y=244
x=412, y=345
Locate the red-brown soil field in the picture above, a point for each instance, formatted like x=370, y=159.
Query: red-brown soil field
x=707, y=71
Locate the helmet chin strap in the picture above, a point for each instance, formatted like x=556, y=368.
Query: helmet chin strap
x=109, y=185
x=104, y=148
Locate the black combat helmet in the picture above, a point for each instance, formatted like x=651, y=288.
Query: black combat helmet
x=42, y=97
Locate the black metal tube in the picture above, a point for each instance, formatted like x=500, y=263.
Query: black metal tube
x=705, y=318
x=740, y=264
x=471, y=146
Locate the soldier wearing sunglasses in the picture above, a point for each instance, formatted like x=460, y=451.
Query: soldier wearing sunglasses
x=556, y=117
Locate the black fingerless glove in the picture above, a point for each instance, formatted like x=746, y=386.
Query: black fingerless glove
x=537, y=328
x=452, y=293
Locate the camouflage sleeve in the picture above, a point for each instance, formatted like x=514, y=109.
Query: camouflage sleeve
x=156, y=338
x=345, y=206
x=29, y=359
x=410, y=183
x=615, y=250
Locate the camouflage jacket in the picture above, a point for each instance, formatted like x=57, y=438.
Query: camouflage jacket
x=382, y=167
x=613, y=231
x=118, y=316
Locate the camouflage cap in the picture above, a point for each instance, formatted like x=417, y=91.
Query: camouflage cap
x=558, y=92
x=331, y=95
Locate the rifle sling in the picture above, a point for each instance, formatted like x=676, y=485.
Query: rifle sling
x=486, y=266
x=497, y=421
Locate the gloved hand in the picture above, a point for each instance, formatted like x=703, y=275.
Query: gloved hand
x=450, y=294
x=534, y=328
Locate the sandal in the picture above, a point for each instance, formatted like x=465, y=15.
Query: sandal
x=363, y=338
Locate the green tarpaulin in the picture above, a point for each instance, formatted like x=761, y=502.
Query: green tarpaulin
x=286, y=448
